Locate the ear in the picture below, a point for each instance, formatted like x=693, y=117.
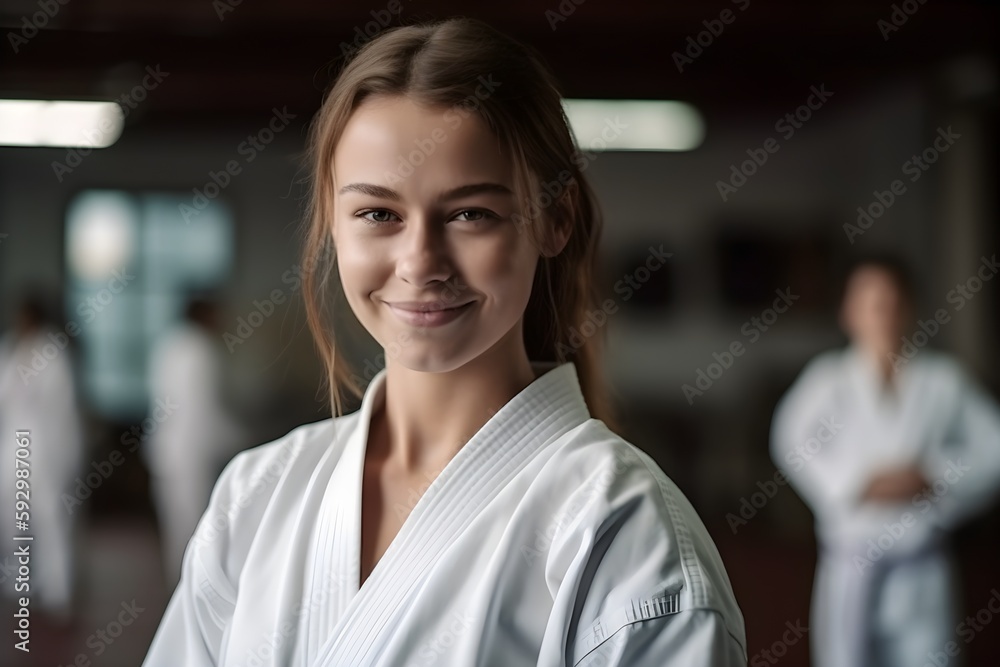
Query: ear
x=564, y=213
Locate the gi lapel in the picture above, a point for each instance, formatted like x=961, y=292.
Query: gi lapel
x=544, y=410
x=921, y=410
x=336, y=544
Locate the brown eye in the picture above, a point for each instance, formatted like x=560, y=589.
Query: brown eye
x=378, y=221
x=484, y=216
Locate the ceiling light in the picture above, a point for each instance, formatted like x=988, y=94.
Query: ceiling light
x=635, y=125
x=70, y=124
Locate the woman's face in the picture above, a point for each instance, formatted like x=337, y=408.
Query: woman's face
x=423, y=201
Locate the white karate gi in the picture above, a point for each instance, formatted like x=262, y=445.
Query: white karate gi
x=884, y=590
x=37, y=394
x=192, y=437
x=546, y=541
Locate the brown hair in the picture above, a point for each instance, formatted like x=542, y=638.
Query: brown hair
x=445, y=64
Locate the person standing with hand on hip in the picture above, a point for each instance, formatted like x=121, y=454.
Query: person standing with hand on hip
x=917, y=451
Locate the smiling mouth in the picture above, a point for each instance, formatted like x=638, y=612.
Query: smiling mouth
x=429, y=308
x=430, y=317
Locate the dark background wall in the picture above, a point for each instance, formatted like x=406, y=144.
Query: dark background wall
x=891, y=92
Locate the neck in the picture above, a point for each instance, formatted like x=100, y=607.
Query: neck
x=880, y=358
x=427, y=417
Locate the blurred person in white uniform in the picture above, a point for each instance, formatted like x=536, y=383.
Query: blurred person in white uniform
x=38, y=394
x=195, y=434
x=891, y=445
x=477, y=510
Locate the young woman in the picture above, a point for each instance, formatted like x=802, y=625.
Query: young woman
x=477, y=509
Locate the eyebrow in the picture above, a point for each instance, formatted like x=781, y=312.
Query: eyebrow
x=382, y=192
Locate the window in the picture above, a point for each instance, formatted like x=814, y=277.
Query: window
x=132, y=258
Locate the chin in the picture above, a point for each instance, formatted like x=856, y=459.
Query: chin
x=430, y=358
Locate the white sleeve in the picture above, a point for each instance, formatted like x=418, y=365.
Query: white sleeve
x=693, y=638
x=965, y=472
x=824, y=474
x=193, y=627
x=650, y=587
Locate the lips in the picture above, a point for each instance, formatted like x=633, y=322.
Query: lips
x=417, y=307
x=430, y=318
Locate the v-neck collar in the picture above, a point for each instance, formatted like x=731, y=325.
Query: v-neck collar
x=541, y=412
x=869, y=382
x=896, y=415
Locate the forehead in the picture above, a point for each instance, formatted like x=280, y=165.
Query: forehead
x=870, y=279
x=395, y=141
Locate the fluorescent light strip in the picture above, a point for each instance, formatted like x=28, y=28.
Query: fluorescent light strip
x=635, y=125
x=70, y=124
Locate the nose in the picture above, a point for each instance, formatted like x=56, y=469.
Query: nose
x=425, y=257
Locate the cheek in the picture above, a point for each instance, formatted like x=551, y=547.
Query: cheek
x=360, y=274
x=504, y=270
x=356, y=261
